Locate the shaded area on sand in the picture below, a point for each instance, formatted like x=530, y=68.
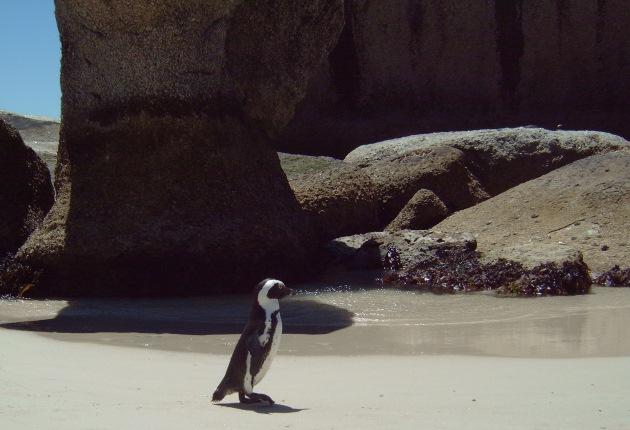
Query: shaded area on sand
x=348, y=322
x=192, y=316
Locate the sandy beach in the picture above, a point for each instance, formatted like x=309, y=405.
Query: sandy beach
x=536, y=364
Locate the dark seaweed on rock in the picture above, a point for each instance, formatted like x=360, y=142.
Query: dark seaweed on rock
x=615, y=277
x=392, y=258
x=549, y=279
x=454, y=270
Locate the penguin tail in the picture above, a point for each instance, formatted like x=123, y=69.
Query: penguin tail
x=221, y=391
x=218, y=395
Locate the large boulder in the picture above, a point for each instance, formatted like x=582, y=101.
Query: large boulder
x=585, y=205
x=404, y=67
x=465, y=168
x=166, y=182
x=26, y=192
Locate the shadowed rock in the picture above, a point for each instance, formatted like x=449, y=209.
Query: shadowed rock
x=26, y=192
x=166, y=182
x=405, y=67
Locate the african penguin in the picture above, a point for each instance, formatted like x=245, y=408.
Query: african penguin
x=257, y=345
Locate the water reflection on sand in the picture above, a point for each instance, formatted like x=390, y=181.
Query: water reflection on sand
x=346, y=321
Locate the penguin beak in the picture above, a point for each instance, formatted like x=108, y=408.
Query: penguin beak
x=289, y=292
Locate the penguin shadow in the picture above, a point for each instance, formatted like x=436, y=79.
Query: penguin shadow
x=262, y=408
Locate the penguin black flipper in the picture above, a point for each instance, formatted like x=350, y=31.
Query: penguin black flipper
x=257, y=352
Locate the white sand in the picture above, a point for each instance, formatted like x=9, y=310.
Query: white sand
x=51, y=384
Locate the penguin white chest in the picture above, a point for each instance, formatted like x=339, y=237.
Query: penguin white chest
x=275, y=343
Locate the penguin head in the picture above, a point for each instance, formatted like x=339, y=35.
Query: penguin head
x=270, y=289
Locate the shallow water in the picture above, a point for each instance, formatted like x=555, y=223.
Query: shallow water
x=343, y=321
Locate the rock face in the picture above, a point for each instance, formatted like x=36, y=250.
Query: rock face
x=26, y=192
x=165, y=180
x=585, y=205
x=465, y=168
x=413, y=66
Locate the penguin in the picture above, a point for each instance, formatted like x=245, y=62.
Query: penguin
x=257, y=345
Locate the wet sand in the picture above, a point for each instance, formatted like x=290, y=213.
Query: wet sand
x=363, y=322
x=362, y=359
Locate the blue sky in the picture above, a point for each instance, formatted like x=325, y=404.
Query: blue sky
x=29, y=58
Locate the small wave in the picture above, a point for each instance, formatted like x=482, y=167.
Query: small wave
x=328, y=290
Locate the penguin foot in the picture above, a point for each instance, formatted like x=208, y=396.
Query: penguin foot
x=262, y=398
x=245, y=399
x=254, y=398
